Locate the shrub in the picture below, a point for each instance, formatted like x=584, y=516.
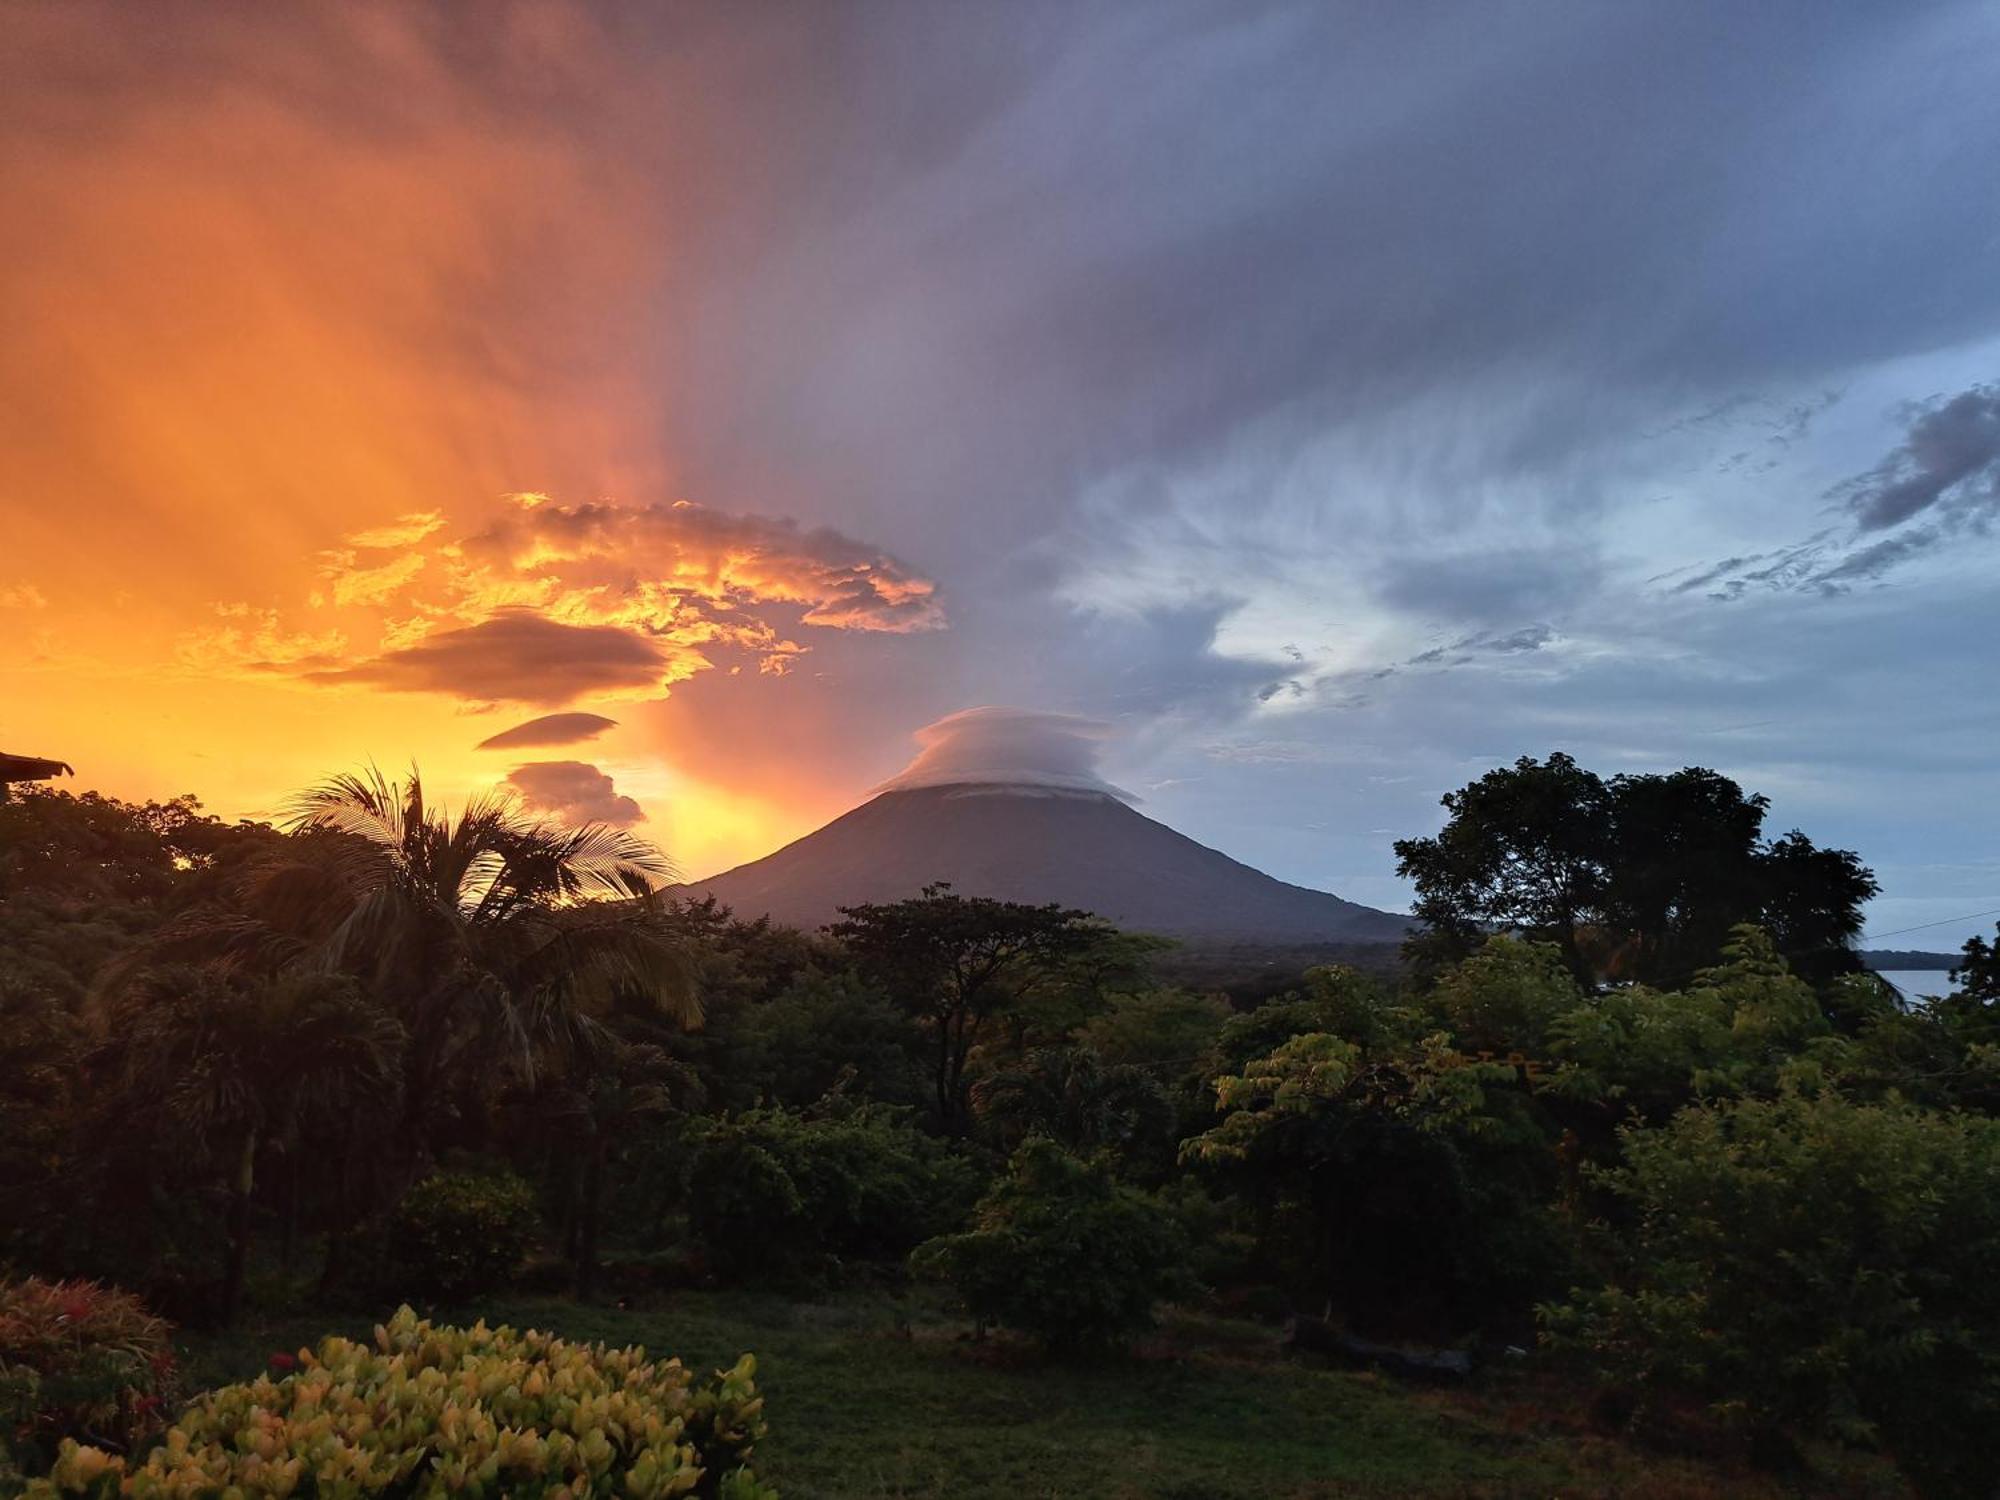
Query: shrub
x=743, y=1207
x=1062, y=1251
x=774, y=1189
x=820, y=1033
x=1811, y=1262
x=432, y=1411
x=1156, y=1029
x=1335, y=1000
x=1505, y=997
x=1072, y=1096
x=78, y=1360
x=1408, y=1188
x=460, y=1234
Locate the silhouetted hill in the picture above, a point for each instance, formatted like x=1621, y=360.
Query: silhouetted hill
x=1036, y=844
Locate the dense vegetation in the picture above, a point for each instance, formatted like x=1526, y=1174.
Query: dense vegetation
x=1629, y=1107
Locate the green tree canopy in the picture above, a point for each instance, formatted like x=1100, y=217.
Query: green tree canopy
x=958, y=963
x=1638, y=877
x=1807, y=1261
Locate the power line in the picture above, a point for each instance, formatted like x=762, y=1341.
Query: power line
x=1869, y=937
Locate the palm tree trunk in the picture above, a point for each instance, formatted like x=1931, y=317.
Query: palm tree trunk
x=288, y=1246
x=589, y=1214
x=335, y=1266
x=239, y=1228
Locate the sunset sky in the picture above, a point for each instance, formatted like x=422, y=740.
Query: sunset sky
x=1332, y=401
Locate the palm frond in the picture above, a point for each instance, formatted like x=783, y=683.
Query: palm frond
x=365, y=805
x=227, y=943
x=612, y=862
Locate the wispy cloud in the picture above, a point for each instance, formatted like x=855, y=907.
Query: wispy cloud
x=404, y=531
x=1944, y=474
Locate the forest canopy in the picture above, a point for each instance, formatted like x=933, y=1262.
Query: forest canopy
x=390, y=1052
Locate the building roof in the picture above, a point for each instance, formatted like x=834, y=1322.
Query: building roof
x=32, y=768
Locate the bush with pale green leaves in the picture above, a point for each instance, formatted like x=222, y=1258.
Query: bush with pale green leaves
x=1809, y=1263
x=433, y=1411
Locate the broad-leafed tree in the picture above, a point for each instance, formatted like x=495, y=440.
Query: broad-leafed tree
x=958, y=963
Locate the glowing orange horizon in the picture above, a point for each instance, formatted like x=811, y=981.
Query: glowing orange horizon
x=313, y=399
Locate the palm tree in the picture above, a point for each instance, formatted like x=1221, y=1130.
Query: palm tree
x=495, y=938
x=229, y=1070
x=602, y=1101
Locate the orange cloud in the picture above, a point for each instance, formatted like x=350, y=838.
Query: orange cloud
x=404, y=531
x=373, y=584
x=636, y=559
x=573, y=792
x=551, y=603
x=518, y=656
x=550, y=729
x=307, y=290
x=257, y=641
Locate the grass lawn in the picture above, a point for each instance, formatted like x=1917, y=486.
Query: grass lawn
x=863, y=1404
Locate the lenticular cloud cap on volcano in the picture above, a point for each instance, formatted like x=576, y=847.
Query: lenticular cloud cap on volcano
x=1011, y=747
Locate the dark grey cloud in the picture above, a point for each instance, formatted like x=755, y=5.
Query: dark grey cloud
x=550, y=729
x=1466, y=649
x=573, y=792
x=1528, y=638
x=1951, y=458
x=1871, y=562
x=1025, y=259
x=1946, y=470
x=1802, y=566
x=517, y=656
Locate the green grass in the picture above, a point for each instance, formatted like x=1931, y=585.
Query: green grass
x=862, y=1404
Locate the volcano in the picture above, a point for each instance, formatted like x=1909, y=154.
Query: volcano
x=1034, y=842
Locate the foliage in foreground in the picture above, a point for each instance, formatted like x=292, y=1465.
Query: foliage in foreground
x=878, y=1397
x=448, y=1411
x=78, y=1361
x=1811, y=1263
x=1061, y=1250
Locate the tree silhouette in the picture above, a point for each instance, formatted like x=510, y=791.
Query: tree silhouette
x=957, y=962
x=1639, y=877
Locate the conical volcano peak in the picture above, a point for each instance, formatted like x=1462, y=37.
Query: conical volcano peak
x=1074, y=843
x=1019, y=749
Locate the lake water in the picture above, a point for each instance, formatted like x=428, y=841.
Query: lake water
x=1916, y=983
